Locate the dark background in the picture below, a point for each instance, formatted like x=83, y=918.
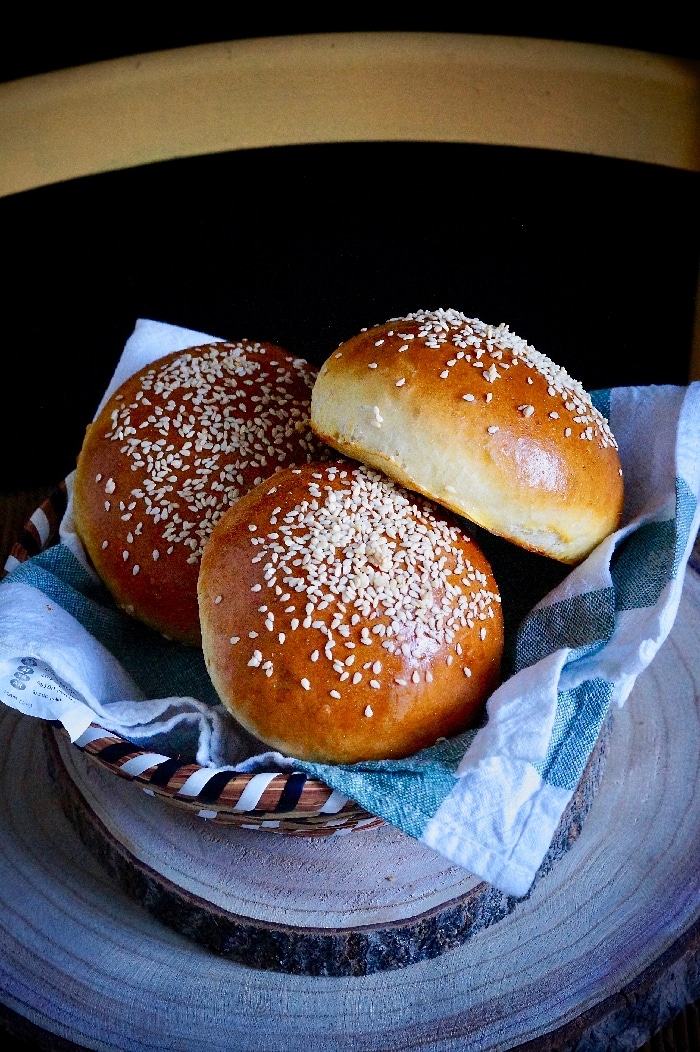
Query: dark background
x=31, y=43
x=592, y=260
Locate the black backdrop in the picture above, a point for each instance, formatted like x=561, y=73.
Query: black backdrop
x=68, y=35
x=592, y=260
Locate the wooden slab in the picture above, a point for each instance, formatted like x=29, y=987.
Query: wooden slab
x=350, y=904
x=604, y=951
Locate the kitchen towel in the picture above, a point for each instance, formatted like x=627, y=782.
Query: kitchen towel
x=489, y=800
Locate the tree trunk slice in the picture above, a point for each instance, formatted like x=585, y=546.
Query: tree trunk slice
x=349, y=905
x=604, y=951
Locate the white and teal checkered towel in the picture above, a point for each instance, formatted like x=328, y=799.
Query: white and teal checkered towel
x=489, y=800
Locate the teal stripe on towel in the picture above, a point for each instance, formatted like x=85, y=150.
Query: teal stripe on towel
x=647, y=560
x=580, y=715
x=581, y=622
x=407, y=793
x=601, y=401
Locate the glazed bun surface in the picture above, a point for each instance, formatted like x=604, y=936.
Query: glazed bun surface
x=345, y=619
x=476, y=419
x=180, y=442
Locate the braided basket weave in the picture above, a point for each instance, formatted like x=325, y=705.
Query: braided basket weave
x=290, y=803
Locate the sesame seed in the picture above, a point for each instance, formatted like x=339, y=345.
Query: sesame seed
x=234, y=639
x=493, y=429
x=305, y=684
x=468, y=397
x=335, y=694
x=218, y=599
x=369, y=711
x=467, y=671
x=365, y=561
x=401, y=382
x=105, y=544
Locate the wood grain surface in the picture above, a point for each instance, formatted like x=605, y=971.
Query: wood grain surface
x=352, y=905
x=605, y=950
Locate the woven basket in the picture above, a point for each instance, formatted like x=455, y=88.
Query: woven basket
x=289, y=803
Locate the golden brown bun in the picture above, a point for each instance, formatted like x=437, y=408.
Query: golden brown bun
x=344, y=619
x=175, y=446
x=476, y=419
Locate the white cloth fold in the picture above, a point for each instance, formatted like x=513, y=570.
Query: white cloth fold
x=491, y=800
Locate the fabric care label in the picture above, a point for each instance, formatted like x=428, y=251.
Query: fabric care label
x=29, y=685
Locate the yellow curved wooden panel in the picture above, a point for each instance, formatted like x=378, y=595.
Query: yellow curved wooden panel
x=349, y=87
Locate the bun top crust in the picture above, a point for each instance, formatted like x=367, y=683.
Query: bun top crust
x=475, y=418
x=345, y=619
x=182, y=440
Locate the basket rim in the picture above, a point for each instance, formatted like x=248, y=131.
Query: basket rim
x=268, y=797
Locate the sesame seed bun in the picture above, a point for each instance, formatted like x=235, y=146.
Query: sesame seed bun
x=346, y=619
x=178, y=443
x=473, y=417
